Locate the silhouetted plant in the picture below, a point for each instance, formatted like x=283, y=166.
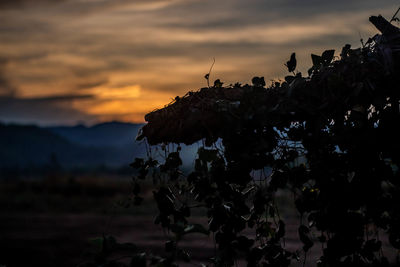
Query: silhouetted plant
x=332, y=139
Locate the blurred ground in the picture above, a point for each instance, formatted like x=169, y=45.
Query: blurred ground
x=50, y=221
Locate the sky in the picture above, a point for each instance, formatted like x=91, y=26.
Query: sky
x=64, y=62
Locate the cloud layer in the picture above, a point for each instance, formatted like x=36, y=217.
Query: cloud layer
x=66, y=61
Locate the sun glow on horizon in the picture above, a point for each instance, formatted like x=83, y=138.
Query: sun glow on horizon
x=93, y=61
x=127, y=103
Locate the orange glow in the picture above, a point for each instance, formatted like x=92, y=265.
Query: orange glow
x=129, y=103
x=127, y=58
x=132, y=91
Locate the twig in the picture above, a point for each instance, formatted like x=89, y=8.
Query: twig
x=395, y=14
x=207, y=76
x=361, y=39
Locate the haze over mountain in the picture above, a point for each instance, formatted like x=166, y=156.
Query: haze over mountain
x=109, y=134
x=111, y=145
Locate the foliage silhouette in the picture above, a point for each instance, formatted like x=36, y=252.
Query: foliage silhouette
x=330, y=138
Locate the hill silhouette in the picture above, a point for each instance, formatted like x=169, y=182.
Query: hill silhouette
x=110, y=134
x=108, y=144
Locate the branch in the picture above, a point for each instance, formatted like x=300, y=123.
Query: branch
x=384, y=26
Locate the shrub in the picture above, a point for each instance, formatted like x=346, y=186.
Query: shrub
x=330, y=138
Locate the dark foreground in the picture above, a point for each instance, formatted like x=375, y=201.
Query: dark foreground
x=57, y=224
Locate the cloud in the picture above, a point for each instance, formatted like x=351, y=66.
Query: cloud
x=91, y=84
x=119, y=59
x=24, y=3
x=54, y=98
x=53, y=110
x=6, y=88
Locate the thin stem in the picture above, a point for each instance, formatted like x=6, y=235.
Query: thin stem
x=395, y=14
x=209, y=72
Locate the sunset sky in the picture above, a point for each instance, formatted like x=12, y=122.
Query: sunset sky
x=64, y=62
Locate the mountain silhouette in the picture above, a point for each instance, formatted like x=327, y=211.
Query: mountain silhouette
x=112, y=134
x=108, y=144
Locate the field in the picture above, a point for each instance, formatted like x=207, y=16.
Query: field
x=53, y=221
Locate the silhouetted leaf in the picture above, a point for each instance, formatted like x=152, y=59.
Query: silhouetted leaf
x=345, y=51
x=136, y=188
x=218, y=83
x=196, y=228
x=327, y=56
x=137, y=200
x=207, y=155
x=394, y=239
x=137, y=163
x=304, y=237
x=258, y=81
x=291, y=64
x=281, y=230
x=170, y=246
x=138, y=260
x=316, y=60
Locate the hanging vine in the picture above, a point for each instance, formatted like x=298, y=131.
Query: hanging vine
x=330, y=138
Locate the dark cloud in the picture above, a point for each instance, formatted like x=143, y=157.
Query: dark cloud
x=52, y=110
x=26, y=57
x=233, y=14
x=22, y=3
x=6, y=88
x=88, y=85
x=55, y=99
x=80, y=7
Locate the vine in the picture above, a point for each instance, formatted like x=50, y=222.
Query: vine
x=331, y=139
